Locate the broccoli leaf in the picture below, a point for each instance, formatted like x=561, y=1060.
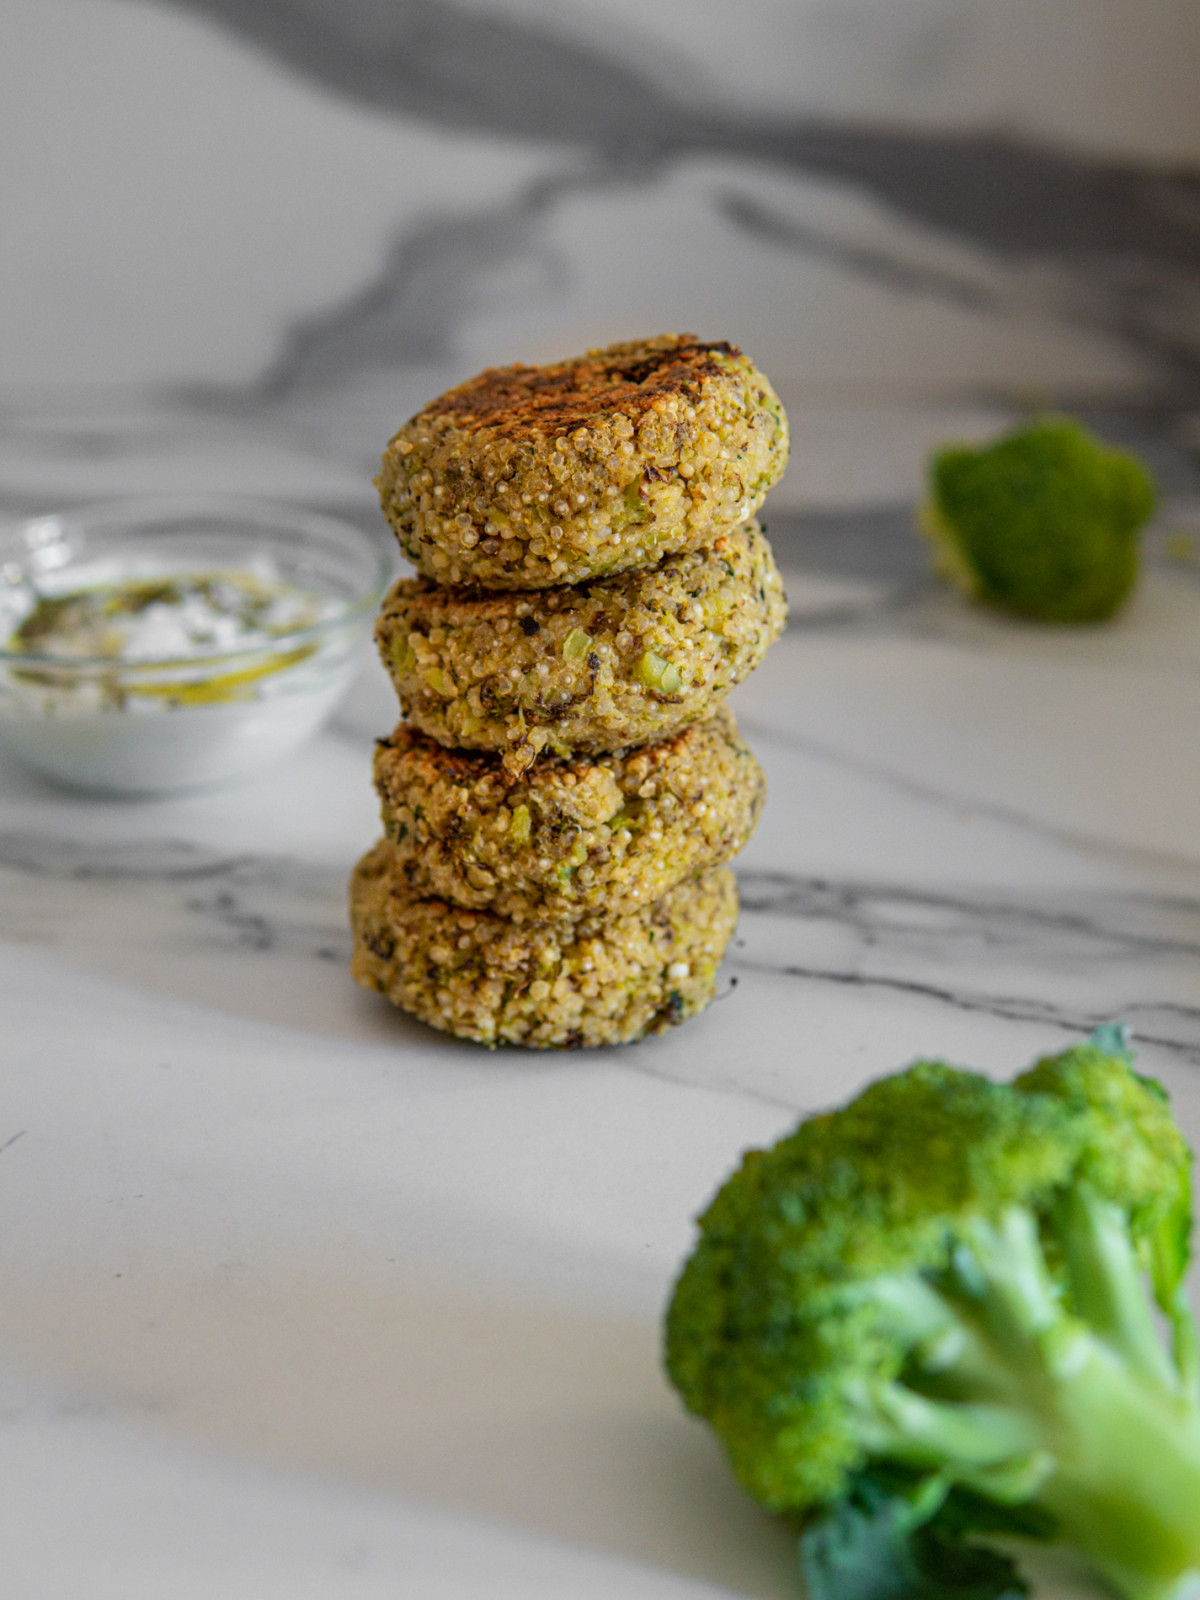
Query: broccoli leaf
x=875, y=1544
x=965, y=1512
x=1112, y=1038
x=948, y=1568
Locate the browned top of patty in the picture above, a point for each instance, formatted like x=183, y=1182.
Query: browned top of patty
x=554, y=399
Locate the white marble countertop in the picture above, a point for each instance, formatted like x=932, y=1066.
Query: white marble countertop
x=301, y=1299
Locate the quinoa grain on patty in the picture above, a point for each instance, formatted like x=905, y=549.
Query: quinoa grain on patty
x=546, y=985
x=606, y=664
x=534, y=477
x=607, y=833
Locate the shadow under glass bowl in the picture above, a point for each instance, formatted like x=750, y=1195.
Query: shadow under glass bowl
x=200, y=717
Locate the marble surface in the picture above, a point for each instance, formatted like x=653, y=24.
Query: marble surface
x=303, y=1299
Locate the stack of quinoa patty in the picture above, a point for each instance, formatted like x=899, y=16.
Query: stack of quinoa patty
x=560, y=804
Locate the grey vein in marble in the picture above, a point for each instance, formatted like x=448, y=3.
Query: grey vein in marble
x=757, y=727
x=231, y=902
x=410, y=311
x=505, y=76
x=1067, y=961
x=1130, y=925
x=884, y=267
x=873, y=542
x=1123, y=238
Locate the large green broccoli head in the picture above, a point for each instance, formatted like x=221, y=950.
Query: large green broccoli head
x=1043, y=523
x=769, y=1333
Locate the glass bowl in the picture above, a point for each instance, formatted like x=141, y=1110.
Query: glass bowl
x=173, y=703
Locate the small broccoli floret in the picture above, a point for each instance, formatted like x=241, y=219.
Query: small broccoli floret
x=1043, y=523
x=937, y=1311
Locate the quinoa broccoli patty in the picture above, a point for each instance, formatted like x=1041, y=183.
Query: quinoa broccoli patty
x=615, y=662
x=608, y=833
x=547, y=985
x=533, y=477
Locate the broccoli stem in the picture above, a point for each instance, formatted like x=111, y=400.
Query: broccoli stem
x=1106, y=1286
x=1082, y=1412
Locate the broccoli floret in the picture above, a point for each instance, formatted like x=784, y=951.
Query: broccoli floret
x=1043, y=523
x=936, y=1311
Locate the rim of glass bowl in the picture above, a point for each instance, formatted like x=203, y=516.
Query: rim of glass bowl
x=134, y=515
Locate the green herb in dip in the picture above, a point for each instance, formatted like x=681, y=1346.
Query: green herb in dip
x=141, y=619
x=174, y=618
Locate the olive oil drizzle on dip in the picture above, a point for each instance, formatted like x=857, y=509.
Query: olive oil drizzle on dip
x=173, y=618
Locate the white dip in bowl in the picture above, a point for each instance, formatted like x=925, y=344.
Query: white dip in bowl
x=163, y=645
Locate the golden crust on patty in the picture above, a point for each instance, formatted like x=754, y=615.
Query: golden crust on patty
x=609, y=833
x=534, y=477
x=545, y=985
x=615, y=662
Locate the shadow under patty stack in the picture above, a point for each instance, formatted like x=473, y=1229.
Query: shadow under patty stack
x=560, y=804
